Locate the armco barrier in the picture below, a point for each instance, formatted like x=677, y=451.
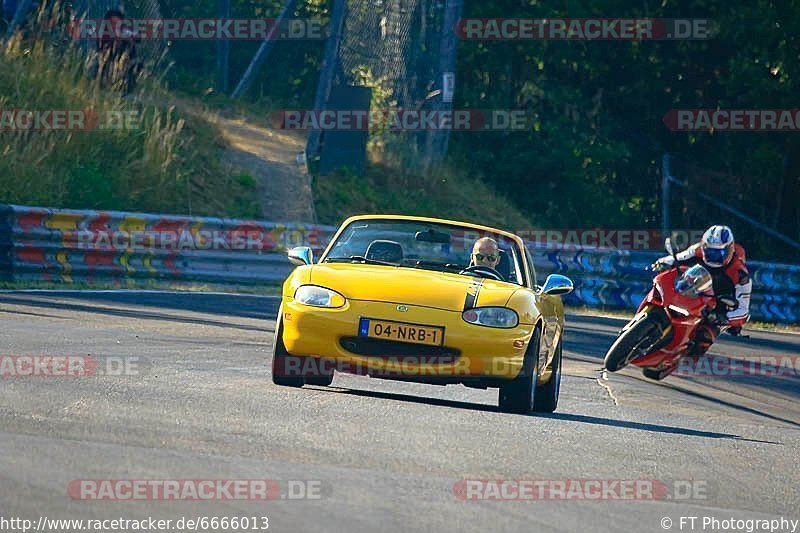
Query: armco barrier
x=619, y=279
x=64, y=245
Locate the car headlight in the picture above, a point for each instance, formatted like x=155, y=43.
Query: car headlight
x=318, y=296
x=493, y=317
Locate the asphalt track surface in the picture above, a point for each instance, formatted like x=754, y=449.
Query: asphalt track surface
x=379, y=455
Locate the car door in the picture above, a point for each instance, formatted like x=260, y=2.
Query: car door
x=551, y=310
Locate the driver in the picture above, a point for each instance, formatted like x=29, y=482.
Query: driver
x=485, y=252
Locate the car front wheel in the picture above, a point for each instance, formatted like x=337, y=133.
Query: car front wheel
x=280, y=366
x=518, y=395
x=546, y=399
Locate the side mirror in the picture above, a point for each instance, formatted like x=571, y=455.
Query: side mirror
x=668, y=246
x=302, y=255
x=556, y=285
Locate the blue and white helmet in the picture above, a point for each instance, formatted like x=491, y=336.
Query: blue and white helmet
x=717, y=246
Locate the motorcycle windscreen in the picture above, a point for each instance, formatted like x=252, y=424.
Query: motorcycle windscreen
x=695, y=281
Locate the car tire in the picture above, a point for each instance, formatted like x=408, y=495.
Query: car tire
x=279, y=357
x=323, y=378
x=546, y=399
x=518, y=395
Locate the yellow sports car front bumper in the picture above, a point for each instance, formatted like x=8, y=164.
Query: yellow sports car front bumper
x=482, y=352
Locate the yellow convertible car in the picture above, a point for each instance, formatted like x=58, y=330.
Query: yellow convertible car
x=401, y=297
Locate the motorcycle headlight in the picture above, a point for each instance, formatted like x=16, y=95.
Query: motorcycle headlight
x=318, y=296
x=679, y=310
x=493, y=317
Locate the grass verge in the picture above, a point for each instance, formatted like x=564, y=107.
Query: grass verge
x=140, y=155
x=386, y=190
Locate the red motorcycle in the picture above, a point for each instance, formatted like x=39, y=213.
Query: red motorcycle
x=662, y=330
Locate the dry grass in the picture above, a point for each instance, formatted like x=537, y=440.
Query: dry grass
x=442, y=194
x=168, y=161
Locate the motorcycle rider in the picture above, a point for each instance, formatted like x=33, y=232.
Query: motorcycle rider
x=725, y=261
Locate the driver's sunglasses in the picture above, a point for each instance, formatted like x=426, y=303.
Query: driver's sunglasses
x=487, y=257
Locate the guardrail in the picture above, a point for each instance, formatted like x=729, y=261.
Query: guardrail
x=64, y=245
x=619, y=279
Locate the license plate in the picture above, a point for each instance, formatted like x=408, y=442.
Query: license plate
x=400, y=331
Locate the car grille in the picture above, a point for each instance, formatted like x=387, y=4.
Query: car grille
x=399, y=350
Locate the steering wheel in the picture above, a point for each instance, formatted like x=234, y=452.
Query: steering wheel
x=483, y=271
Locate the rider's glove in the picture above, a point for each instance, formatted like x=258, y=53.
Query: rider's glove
x=658, y=266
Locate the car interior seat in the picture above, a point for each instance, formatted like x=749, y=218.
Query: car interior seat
x=504, y=265
x=388, y=251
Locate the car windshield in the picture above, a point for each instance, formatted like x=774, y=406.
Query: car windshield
x=422, y=245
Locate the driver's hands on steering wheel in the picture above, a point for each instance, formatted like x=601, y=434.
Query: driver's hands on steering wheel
x=483, y=271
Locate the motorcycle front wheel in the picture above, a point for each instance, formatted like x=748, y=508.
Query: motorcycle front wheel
x=637, y=338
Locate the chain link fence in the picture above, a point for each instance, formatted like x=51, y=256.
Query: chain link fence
x=403, y=50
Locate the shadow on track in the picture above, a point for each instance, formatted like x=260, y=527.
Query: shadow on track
x=48, y=303
x=655, y=428
x=25, y=313
x=761, y=341
x=732, y=405
x=593, y=335
x=243, y=306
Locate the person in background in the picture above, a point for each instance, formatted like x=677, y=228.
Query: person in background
x=118, y=64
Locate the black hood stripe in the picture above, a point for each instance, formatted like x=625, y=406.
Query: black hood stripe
x=472, y=293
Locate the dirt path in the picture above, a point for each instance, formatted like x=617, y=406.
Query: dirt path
x=270, y=156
